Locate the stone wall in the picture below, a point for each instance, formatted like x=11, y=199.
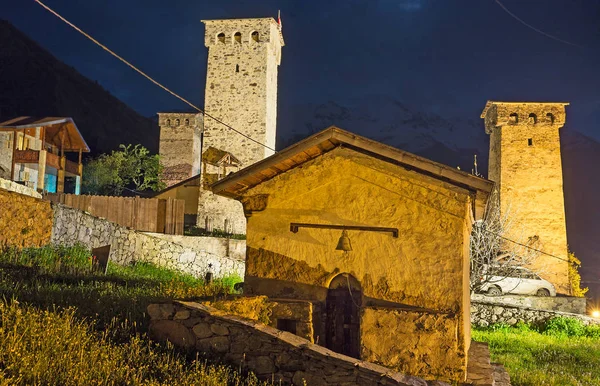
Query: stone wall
x=273, y=355
x=25, y=221
x=18, y=188
x=235, y=249
x=74, y=226
x=484, y=314
x=6, y=149
x=569, y=304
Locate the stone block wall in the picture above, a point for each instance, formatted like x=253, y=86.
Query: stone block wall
x=270, y=353
x=484, y=314
x=74, y=226
x=551, y=303
x=18, y=188
x=25, y=221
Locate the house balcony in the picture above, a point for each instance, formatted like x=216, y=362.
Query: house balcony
x=33, y=157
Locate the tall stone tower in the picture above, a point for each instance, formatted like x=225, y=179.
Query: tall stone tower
x=241, y=90
x=525, y=163
x=180, y=145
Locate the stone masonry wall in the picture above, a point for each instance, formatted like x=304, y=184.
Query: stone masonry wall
x=483, y=314
x=525, y=162
x=271, y=354
x=18, y=188
x=25, y=221
x=74, y=226
x=550, y=303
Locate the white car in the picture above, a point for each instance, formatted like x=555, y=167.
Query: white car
x=515, y=280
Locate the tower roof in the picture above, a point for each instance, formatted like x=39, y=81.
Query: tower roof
x=489, y=104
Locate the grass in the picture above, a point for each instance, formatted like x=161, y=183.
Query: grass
x=61, y=324
x=562, y=352
x=195, y=231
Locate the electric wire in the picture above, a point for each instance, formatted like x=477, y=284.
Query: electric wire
x=535, y=29
x=148, y=76
x=527, y=246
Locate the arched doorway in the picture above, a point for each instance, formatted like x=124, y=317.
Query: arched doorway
x=343, y=315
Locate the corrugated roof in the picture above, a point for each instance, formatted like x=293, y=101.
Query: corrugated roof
x=59, y=130
x=236, y=184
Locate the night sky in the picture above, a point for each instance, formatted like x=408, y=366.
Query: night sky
x=439, y=56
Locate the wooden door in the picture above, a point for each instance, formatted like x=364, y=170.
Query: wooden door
x=343, y=316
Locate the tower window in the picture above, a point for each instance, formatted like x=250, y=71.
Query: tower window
x=177, y=122
x=187, y=122
x=254, y=36
x=237, y=68
x=532, y=118
x=529, y=141
x=221, y=37
x=168, y=122
x=513, y=118
x=238, y=37
x=550, y=118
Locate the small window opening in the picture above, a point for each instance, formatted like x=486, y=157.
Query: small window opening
x=237, y=68
x=221, y=37
x=238, y=37
x=530, y=142
x=532, y=118
x=550, y=118
x=514, y=118
x=254, y=36
x=177, y=122
x=288, y=325
x=187, y=122
x=168, y=122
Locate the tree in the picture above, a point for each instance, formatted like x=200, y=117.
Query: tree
x=130, y=168
x=492, y=251
x=574, y=277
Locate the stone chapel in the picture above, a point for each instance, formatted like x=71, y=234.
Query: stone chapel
x=241, y=91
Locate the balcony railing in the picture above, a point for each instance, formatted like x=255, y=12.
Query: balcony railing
x=53, y=160
x=72, y=167
x=27, y=156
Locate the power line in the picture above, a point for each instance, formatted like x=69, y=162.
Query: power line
x=527, y=246
x=147, y=76
x=533, y=28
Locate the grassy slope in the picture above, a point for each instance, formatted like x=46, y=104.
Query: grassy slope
x=558, y=356
x=63, y=325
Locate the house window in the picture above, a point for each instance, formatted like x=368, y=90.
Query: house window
x=288, y=325
x=530, y=142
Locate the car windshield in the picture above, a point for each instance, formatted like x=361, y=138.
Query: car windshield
x=516, y=272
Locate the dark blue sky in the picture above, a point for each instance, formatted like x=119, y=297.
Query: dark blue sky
x=442, y=56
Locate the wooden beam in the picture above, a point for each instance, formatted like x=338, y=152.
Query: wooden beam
x=14, y=152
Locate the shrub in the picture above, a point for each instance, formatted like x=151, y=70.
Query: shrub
x=574, y=277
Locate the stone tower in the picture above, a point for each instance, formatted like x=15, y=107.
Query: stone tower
x=525, y=163
x=241, y=91
x=180, y=144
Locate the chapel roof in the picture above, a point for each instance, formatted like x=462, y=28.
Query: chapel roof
x=236, y=184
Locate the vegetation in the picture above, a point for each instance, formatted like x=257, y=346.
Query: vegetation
x=195, y=231
x=131, y=168
x=61, y=324
x=562, y=352
x=574, y=277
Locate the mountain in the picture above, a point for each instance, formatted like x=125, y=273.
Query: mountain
x=454, y=142
x=35, y=83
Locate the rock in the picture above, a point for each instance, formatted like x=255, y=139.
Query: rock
x=160, y=311
x=219, y=329
x=262, y=365
x=168, y=330
x=202, y=330
x=181, y=315
x=219, y=344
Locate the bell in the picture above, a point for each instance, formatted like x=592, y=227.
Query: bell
x=344, y=242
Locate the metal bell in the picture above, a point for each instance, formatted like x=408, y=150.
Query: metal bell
x=344, y=242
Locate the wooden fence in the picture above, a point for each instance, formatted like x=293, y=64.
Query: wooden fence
x=142, y=214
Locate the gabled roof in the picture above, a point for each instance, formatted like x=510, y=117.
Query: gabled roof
x=236, y=184
x=59, y=130
x=217, y=157
x=192, y=181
